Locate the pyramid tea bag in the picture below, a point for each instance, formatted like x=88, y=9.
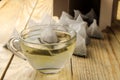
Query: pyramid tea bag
x=89, y=17
x=48, y=35
x=82, y=38
x=65, y=18
x=94, y=31
x=47, y=19
x=79, y=18
x=80, y=49
x=61, y=28
x=80, y=28
x=91, y=14
x=77, y=13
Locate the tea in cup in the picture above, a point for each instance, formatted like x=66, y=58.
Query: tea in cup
x=46, y=57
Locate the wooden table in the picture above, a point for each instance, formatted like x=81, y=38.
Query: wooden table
x=102, y=63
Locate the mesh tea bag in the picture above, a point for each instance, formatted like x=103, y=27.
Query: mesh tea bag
x=65, y=14
x=46, y=19
x=65, y=18
x=48, y=35
x=94, y=31
x=80, y=49
x=91, y=14
x=80, y=28
x=79, y=18
x=83, y=32
x=86, y=17
x=47, y=23
x=81, y=42
x=77, y=13
x=61, y=27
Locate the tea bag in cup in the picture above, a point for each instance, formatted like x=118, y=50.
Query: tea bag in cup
x=48, y=35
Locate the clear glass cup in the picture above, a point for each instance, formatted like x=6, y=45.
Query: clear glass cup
x=45, y=57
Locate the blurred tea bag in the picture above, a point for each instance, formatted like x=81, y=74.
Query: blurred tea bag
x=77, y=13
x=80, y=28
x=46, y=19
x=89, y=17
x=80, y=49
x=91, y=14
x=82, y=38
x=65, y=15
x=48, y=35
x=65, y=18
x=32, y=23
x=47, y=22
x=94, y=31
x=83, y=32
x=79, y=18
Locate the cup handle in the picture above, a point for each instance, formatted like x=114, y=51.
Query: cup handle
x=14, y=46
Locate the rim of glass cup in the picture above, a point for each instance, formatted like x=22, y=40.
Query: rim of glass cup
x=47, y=44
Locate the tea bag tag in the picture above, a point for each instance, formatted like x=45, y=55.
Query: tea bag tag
x=48, y=35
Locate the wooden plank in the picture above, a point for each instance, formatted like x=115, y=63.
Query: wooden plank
x=115, y=68
x=5, y=59
x=115, y=46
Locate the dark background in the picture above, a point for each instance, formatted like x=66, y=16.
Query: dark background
x=69, y=5
x=84, y=6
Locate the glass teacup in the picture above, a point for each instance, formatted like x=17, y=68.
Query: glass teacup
x=45, y=57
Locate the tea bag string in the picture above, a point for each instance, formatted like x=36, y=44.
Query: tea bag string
x=31, y=15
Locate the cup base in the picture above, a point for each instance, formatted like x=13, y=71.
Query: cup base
x=49, y=70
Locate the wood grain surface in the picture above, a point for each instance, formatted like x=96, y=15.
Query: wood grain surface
x=102, y=62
